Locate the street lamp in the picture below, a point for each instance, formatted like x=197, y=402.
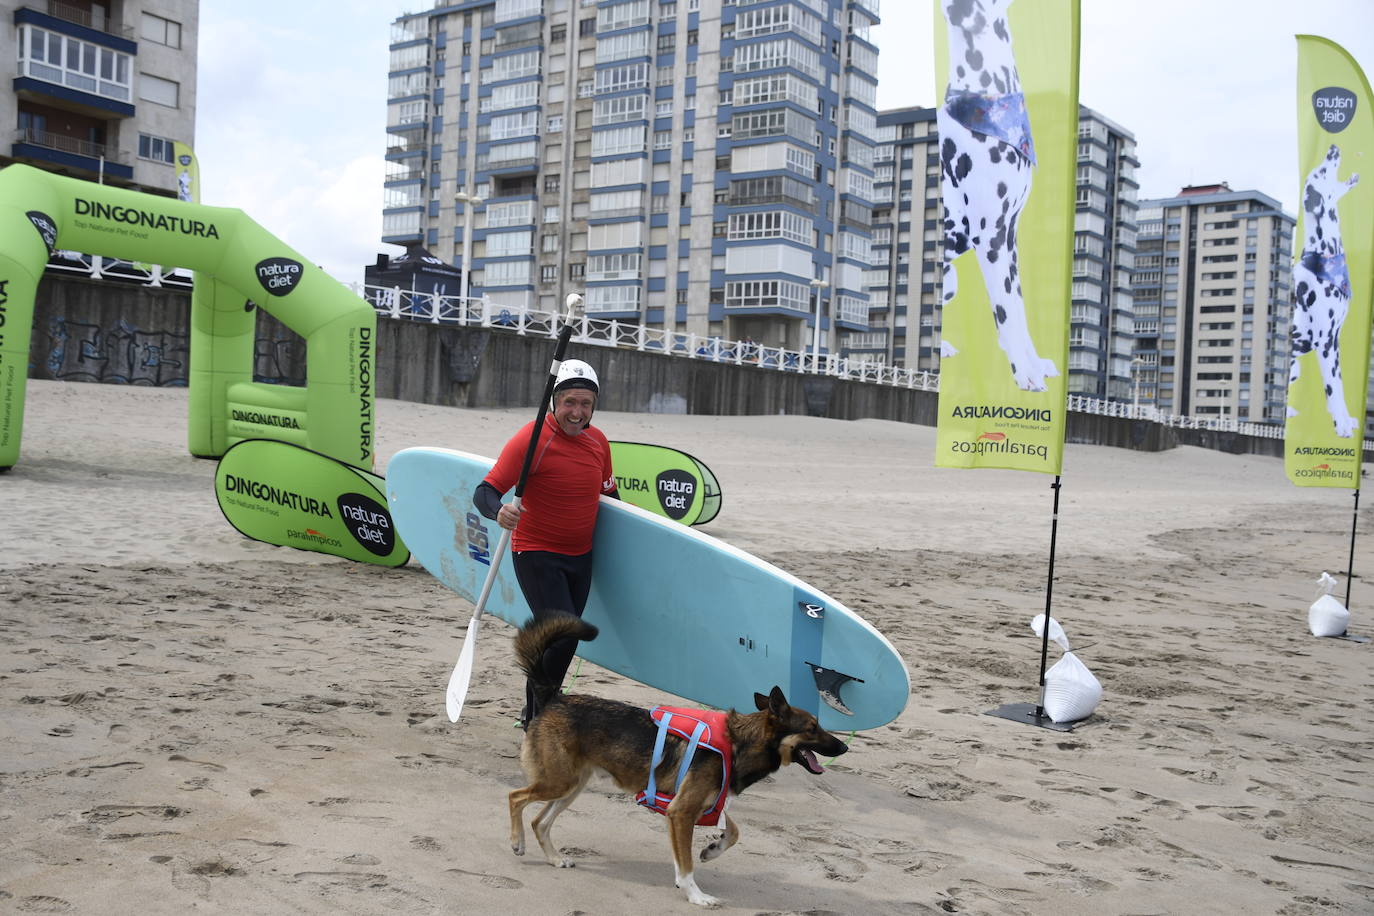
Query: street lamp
x=1136, y=363
x=817, y=285
x=471, y=202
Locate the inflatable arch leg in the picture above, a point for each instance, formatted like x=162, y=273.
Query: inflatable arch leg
x=237, y=261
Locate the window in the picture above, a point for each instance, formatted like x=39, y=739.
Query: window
x=156, y=148
x=772, y=224
x=164, y=31
x=768, y=294
x=621, y=46
x=552, y=213
x=552, y=183
x=156, y=89
x=612, y=299
x=622, y=15
x=623, y=266
x=618, y=140
x=577, y=271
x=619, y=108
x=618, y=79
x=548, y=273
x=586, y=28
x=66, y=61
x=549, y=243
x=506, y=273
x=555, y=123
x=516, y=66
x=509, y=244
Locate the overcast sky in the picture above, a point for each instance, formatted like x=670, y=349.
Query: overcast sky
x=291, y=118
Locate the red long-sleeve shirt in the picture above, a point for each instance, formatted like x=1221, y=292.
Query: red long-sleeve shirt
x=567, y=478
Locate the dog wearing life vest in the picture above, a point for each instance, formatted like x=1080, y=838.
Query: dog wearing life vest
x=1321, y=287
x=986, y=158
x=573, y=736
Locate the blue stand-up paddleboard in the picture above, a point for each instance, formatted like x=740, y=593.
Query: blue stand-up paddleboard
x=678, y=609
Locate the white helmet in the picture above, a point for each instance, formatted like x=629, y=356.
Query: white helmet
x=574, y=373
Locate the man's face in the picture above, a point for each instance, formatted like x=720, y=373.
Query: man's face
x=572, y=409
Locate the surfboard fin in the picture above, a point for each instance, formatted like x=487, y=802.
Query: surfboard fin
x=829, y=682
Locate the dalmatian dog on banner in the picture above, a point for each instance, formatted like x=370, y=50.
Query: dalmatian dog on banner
x=986, y=157
x=1321, y=287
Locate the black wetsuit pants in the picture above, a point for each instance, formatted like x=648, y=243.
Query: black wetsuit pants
x=553, y=583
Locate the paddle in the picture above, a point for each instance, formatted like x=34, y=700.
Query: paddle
x=462, y=672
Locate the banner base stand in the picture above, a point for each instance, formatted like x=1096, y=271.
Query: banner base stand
x=1350, y=637
x=1025, y=714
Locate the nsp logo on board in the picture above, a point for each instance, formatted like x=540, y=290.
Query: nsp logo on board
x=1334, y=107
x=479, y=545
x=675, y=491
x=278, y=276
x=46, y=226
x=369, y=523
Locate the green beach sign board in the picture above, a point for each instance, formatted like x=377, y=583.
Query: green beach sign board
x=665, y=481
x=283, y=494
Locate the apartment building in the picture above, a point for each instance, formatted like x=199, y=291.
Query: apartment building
x=904, y=280
x=698, y=166
x=100, y=89
x=1213, y=303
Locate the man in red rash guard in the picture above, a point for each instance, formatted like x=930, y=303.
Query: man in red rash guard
x=551, y=540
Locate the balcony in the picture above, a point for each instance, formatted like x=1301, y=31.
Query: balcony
x=43, y=146
x=95, y=17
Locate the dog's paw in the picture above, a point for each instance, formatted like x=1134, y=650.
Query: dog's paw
x=713, y=849
x=947, y=349
x=1345, y=426
x=1292, y=412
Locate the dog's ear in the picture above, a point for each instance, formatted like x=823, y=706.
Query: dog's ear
x=777, y=703
x=760, y=702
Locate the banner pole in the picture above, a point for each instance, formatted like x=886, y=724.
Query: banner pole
x=1049, y=602
x=1350, y=567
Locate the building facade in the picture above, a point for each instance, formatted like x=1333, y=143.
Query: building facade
x=699, y=166
x=100, y=90
x=1213, y=304
x=904, y=281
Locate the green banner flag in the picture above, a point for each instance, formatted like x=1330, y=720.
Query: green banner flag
x=1008, y=128
x=283, y=494
x=1333, y=269
x=666, y=482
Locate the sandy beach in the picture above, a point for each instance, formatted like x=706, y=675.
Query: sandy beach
x=193, y=721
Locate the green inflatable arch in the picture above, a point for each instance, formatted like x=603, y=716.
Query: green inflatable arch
x=235, y=260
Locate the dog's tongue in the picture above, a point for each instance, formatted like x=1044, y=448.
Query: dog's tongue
x=809, y=761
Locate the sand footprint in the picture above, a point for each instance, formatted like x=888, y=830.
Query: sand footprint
x=499, y=882
x=41, y=903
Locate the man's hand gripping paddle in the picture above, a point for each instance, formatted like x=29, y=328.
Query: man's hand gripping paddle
x=462, y=672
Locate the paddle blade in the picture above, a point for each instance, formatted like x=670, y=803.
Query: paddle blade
x=462, y=673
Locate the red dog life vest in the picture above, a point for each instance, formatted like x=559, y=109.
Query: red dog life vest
x=699, y=728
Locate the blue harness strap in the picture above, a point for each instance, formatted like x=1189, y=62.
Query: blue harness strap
x=651, y=791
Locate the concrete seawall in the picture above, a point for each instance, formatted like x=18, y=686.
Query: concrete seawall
x=127, y=334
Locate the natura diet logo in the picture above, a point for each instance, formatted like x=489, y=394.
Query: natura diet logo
x=279, y=276
x=1334, y=108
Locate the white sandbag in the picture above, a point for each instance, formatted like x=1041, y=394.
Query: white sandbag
x=1057, y=633
x=1327, y=616
x=1072, y=692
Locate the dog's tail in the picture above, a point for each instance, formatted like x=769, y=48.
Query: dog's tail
x=537, y=635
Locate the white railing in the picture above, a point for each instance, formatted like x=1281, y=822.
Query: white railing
x=395, y=302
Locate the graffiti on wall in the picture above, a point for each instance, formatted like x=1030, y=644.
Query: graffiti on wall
x=119, y=354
